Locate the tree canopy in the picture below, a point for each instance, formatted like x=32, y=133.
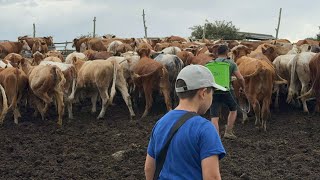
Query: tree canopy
x=216, y=30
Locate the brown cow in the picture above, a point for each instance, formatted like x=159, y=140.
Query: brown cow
x=122, y=48
x=55, y=53
x=150, y=75
x=98, y=44
x=4, y=104
x=14, y=82
x=31, y=40
x=174, y=38
x=252, y=44
x=13, y=47
x=37, y=58
x=70, y=75
x=160, y=46
x=77, y=42
x=46, y=83
x=201, y=59
x=13, y=58
x=93, y=55
x=259, y=79
x=186, y=57
x=266, y=52
x=97, y=77
x=307, y=41
x=40, y=46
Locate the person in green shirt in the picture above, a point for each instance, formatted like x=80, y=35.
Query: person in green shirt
x=227, y=98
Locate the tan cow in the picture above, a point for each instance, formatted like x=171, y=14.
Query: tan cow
x=186, y=57
x=37, y=58
x=123, y=48
x=40, y=46
x=96, y=77
x=55, y=53
x=14, y=82
x=31, y=40
x=53, y=59
x=45, y=83
x=70, y=75
x=14, y=59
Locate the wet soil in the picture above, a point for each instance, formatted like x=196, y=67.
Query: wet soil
x=83, y=148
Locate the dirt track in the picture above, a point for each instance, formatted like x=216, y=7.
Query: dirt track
x=83, y=148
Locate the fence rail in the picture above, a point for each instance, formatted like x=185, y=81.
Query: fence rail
x=63, y=47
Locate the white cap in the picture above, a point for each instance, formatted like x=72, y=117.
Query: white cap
x=196, y=77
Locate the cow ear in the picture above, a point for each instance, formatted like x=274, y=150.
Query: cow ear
x=74, y=60
x=309, y=47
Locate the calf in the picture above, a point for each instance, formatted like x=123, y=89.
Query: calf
x=46, y=82
x=150, y=75
x=97, y=77
x=14, y=82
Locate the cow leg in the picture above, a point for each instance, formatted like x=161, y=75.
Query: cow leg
x=256, y=109
x=69, y=105
x=276, y=103
x=149, y=99
x=94, y=102
x=265, y=114
x=166, y=93
x=105, y=97
x=16, y=114
x=60, y=104
x=121, y=86
x=304, y=99
x=244, y=117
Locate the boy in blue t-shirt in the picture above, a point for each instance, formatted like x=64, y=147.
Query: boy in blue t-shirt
x=196, y=148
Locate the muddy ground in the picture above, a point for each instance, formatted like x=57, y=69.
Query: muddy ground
x=83, y=148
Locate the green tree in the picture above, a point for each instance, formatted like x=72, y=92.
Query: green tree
x=216, y=30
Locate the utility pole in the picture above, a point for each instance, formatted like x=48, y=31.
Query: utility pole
x=34, y=30
x=277, y=29
x=204, y=31
x=144, y=24
x=94, y=27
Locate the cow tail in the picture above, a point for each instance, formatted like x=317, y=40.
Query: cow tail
x=15, y=97
x=113, y=87
x=293, y=78
x=58, y=77
x=74, y=82
x=4, y=104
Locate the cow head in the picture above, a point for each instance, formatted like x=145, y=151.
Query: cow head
x=48, y=40
x=269, y=51
x=75, y=41
x=37, y=58
x=25, y=45
x=239, y=51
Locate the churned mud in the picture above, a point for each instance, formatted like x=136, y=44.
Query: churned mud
x=115, y=147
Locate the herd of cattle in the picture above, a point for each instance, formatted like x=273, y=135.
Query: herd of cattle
x=31, y=75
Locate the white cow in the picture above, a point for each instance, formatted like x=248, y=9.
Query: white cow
x=171, y=50
x=78, y=55
x=300, y=73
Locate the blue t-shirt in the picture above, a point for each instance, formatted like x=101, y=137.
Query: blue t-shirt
x=196, y=140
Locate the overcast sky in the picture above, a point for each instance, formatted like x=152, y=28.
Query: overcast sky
x=67, y=19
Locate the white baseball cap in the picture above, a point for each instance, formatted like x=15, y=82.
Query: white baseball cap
x=196, y=77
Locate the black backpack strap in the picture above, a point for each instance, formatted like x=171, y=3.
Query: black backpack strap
x=163, y=152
